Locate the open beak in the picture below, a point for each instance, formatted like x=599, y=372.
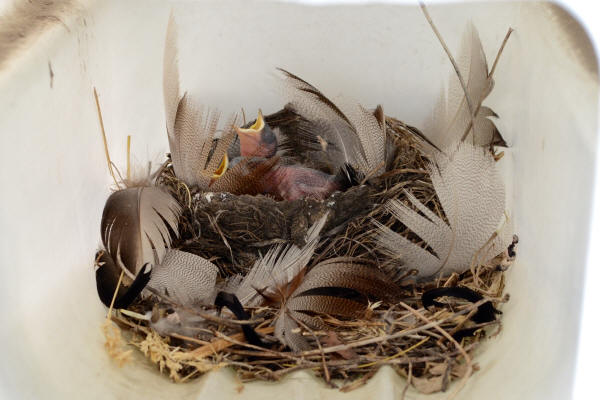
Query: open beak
x=222, y=168
x=251, y=141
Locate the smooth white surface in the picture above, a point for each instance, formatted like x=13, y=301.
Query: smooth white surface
x=585, y=385
x=55, y=182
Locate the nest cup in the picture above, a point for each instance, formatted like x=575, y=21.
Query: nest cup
x=55, y=180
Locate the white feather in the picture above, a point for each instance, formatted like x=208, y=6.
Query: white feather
x=452, y=116
x=472, y=195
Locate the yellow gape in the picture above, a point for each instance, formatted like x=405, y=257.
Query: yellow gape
x=222, y=167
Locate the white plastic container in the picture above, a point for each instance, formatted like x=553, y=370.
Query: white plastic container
x=55, y=181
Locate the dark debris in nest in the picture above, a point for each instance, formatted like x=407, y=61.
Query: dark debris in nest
x=430, y=347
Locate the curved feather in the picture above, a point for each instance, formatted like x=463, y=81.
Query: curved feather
x=472, y=195
x=353, y=133
x=136, y=224
x=278, y=268
x=340, y=286
x=196, y=152
x=107, y=279
x=452, y=116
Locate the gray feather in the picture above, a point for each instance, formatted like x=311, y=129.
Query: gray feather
x=190, y=128
x=451, y=116
x=186, y=278
x=472, y=195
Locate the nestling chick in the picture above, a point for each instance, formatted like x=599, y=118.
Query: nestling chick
x=284, y=181
x=257, y=141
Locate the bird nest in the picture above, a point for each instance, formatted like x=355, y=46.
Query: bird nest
x=430, y=343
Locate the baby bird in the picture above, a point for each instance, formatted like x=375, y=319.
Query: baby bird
x=293, y=182
x=257, y=141
x=287, y=180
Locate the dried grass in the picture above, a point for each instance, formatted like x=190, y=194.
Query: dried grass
x=418, y=343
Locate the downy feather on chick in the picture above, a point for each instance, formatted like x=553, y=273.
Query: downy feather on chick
x=451, y=116
x=472, y=196
x=288, y=178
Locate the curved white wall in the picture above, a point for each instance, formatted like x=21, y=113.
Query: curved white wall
x=54, y=178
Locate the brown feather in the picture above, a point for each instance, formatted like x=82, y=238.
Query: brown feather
x=136, y=224
x=341, y=286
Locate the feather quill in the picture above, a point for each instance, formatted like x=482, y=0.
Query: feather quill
x=190, y=128
x=278, y=268
x=452, y=115
x=354, y=133
x=341, y=286
x=472, y=195
x=135, y=226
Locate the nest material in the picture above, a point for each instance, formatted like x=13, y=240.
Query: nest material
x=233, y=231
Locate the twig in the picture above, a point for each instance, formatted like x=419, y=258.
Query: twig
x=400, y=353
x=453, y=341
x=500, y=50
x=112, y=302
x=107, y=154
x=325, y=369
x=408, y=380
x=225, y=342
x=128, y=157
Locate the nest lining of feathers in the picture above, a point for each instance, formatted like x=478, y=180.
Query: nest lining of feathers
x=324, y=237
x=425, y=345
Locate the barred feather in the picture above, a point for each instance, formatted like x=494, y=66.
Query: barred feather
x=190, y=128
x=472, y=195
x=341, y=286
